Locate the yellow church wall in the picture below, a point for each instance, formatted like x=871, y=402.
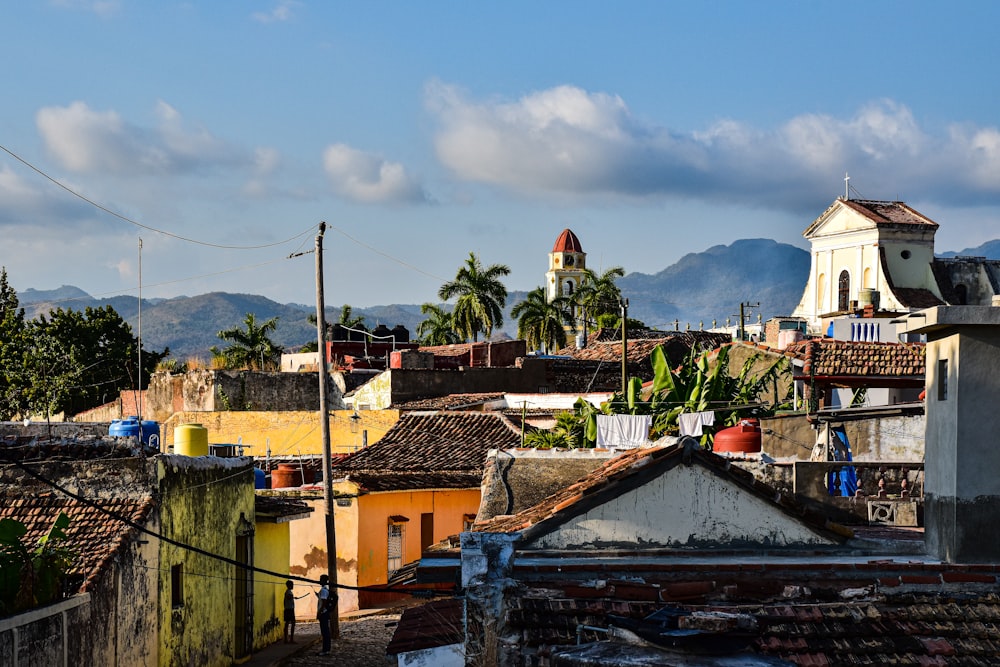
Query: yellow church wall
x=271, y=552
x=286, y=433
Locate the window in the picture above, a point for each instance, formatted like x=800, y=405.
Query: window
x=395, y=554
x=843, y=290
x=177, y=585
x=942, y=379
x=467, y=521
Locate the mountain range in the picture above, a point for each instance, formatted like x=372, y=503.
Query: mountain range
x=765, y=276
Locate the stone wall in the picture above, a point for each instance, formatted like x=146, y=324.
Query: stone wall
x=895, y=438
x=213, y=390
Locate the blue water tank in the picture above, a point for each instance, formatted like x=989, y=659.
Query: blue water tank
x=124, y=428
x=149, y=433
x=131, y=427
x=259, y=479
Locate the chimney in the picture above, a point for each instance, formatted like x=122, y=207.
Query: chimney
x=961, y=459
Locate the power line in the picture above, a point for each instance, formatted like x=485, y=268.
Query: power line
x=386, y=255
x=141, y=225
x=188, y=547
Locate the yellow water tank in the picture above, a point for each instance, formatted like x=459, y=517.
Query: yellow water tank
x=191, y=440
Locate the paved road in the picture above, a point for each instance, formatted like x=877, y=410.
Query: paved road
x=362, y=643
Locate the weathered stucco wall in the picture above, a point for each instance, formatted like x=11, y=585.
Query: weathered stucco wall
x=115, y=622
x=211, y=390
x=895, y=438
x=206, y=502
x=399, y=385
x=704, y=510
x=270, y=553
x=285, y=433
x=307, y=554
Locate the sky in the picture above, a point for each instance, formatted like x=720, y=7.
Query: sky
x=222, y=133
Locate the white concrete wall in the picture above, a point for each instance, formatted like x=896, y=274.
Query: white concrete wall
x=687, y=506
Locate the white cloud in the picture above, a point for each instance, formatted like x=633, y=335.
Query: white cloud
x=569, y=141
x=368, y=178
x=22, y=203
x=282, y=11
x=85, y=140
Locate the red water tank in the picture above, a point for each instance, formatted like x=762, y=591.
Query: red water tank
x=744, y=437
x=286, y=475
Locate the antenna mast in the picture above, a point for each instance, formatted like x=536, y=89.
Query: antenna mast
x=847, y=186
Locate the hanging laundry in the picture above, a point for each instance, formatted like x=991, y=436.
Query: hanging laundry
x=623, y=431
x=691, y=423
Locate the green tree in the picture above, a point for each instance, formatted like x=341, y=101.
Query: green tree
x=51, y=370
x=542, y=323
x=12, y=350
x=438, y=328
x=481, y=297
x=599, y=296
x=108, y=354
x=250, y=346
x=32, y=576
x=698, y=385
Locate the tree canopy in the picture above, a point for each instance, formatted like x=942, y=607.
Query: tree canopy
x=68, y=361
x=540, y=322
x=481, y=297
x=438, y=328
x=250, y=346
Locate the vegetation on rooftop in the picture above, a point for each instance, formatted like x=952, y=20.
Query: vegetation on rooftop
x=32, y=575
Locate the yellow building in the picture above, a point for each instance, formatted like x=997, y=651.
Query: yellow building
x=416, y=486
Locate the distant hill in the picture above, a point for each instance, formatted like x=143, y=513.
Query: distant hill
x=710, y=285
x=699, y=288
x=989, y=250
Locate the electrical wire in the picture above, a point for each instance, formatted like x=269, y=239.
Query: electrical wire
x=136, y=223
x=386, y=255
x=203, y=552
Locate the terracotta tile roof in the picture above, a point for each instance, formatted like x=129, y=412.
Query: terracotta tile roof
x=437, y=623
x=617, y=476
x=675, y=345
x=278, y=509
x=913, y=297
x=430, y=450
x=808, y=613
x=449, y=402
x=567, y=242
x=93, y=536
x=843, y=359
x=888, y=212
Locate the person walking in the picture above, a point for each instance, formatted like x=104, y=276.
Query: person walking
x=323, y=611
x=290, y=599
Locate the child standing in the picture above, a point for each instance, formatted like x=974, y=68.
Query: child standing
x=290, y=612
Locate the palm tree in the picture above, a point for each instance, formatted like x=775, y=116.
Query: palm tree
x=348, y=320
x=250, y=347
x=481, y=298
x=438, y=328
x=598, y=295
x=542, y=323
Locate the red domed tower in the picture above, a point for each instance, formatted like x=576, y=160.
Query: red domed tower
x=567, y=262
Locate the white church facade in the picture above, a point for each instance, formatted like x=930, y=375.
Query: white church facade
x=882, y=253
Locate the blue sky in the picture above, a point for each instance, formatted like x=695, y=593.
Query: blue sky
x=422, y=131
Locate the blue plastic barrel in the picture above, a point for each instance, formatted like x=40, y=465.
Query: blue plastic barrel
x=124, y=428
x=259, y=479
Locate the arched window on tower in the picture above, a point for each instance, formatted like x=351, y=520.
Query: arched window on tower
x=843, y=291
x=568, y=288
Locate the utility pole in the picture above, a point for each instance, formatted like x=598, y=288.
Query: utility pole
x=742, y=316
x=623, y=304
x=324, y=419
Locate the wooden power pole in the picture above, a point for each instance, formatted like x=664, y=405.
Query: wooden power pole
x=324, y=420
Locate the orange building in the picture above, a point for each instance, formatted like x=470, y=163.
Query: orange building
x=416, y=486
